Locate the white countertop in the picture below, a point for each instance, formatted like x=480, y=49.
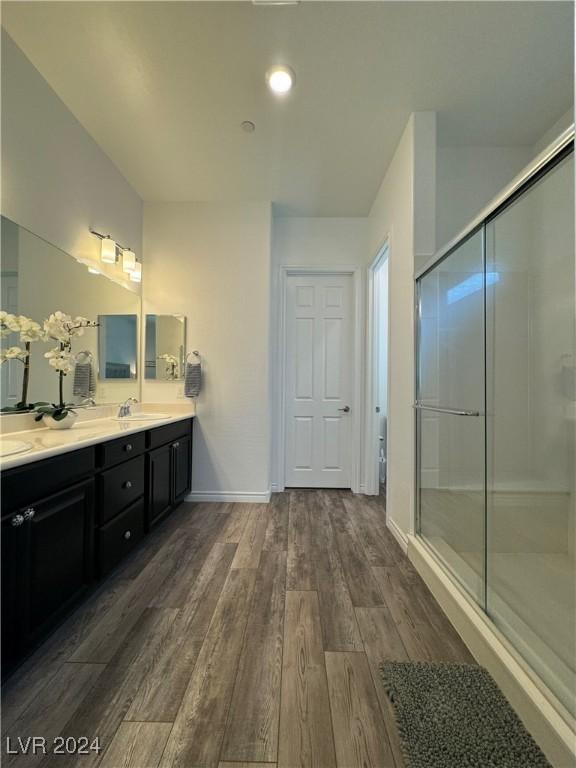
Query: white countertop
x=94, y=425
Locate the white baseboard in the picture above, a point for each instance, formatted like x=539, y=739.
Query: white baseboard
x=398, y=534
x=553, y=729
x=259, y=497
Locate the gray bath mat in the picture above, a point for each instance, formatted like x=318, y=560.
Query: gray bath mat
x=455, y=716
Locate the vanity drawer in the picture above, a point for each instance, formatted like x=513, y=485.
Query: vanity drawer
x=167, y=434
x=24, y=485
x=119, y=537
x=121, y=450
x=119, y=487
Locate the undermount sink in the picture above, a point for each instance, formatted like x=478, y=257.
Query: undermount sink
x=10, y=447
x=143, y=417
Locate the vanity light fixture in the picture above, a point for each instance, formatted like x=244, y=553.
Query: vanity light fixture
x=108, y=250
x=128, y=260
x=280, y=79
x=136, y=274
x=109, y=253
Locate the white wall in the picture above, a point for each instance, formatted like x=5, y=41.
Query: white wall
x=319, y=241
x=56, y=181
x=211, y=263
x=403, y=212
x=467, y=179
x=309, y=242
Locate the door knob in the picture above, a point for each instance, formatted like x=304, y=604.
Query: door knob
x=346, y=409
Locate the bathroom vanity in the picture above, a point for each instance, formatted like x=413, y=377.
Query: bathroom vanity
x=74, y=507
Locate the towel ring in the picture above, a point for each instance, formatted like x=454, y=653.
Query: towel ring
x=87, y=356
x=195, y=353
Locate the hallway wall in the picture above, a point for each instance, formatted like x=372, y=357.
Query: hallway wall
x=404, y=212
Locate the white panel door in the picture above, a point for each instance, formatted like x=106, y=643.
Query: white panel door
x=319, y=367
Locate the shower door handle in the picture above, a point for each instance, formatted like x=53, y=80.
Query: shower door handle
x=438, y=409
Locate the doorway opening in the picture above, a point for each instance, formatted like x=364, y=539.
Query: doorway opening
x=378, y=411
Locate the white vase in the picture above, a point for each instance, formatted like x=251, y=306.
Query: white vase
x=65, y=423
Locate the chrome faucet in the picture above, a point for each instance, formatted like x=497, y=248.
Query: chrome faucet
x=125, y=408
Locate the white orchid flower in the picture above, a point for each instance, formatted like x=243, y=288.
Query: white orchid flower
x=12, y=353
x=63, y=327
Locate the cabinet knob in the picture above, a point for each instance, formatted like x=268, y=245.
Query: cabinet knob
x=176, y=445
x=17, y=520
x=128, y=447
x=128, y=484
x=127, y=534
x=29, y=513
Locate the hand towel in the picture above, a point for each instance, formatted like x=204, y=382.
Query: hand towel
x=192, y=379
x=84, y=380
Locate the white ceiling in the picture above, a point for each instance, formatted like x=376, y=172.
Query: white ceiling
x=164, y=86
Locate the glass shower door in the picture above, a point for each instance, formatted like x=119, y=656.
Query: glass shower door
x=450, y=412
x=531, y=426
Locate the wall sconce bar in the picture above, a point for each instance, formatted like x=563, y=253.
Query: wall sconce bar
x=110, y=250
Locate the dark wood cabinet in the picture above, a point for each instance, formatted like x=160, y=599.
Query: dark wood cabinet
x=12, y=537
x=69, y=520
x=57, y=557
x=181, y=464
x=47, y=565
x=169, y=476
x=159, y=483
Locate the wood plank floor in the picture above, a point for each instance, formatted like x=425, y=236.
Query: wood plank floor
x=238, y=635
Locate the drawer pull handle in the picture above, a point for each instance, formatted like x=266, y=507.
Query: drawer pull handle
x=128, y=484
x=17, y=520
x=29, y=513
x=127, y=534
x=128, y=447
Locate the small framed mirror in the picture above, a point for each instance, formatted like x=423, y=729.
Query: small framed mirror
x=165, y=347
x=117, y=346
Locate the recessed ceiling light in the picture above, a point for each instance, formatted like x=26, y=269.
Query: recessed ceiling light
x=280, y=79
x=248, y=126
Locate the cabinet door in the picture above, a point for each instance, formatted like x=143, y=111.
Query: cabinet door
x=12, y=553
x=182, y=468
x=58, y=559
x=160, y=482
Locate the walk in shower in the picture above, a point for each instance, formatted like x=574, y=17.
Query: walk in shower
x=496, y=416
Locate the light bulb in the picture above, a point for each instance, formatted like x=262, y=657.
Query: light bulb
x=128, y=260
x=280, y=79
x=136, y=274
x=108, y=252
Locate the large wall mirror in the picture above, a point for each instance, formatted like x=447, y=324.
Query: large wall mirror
x=164, y=347
x=38, y=280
